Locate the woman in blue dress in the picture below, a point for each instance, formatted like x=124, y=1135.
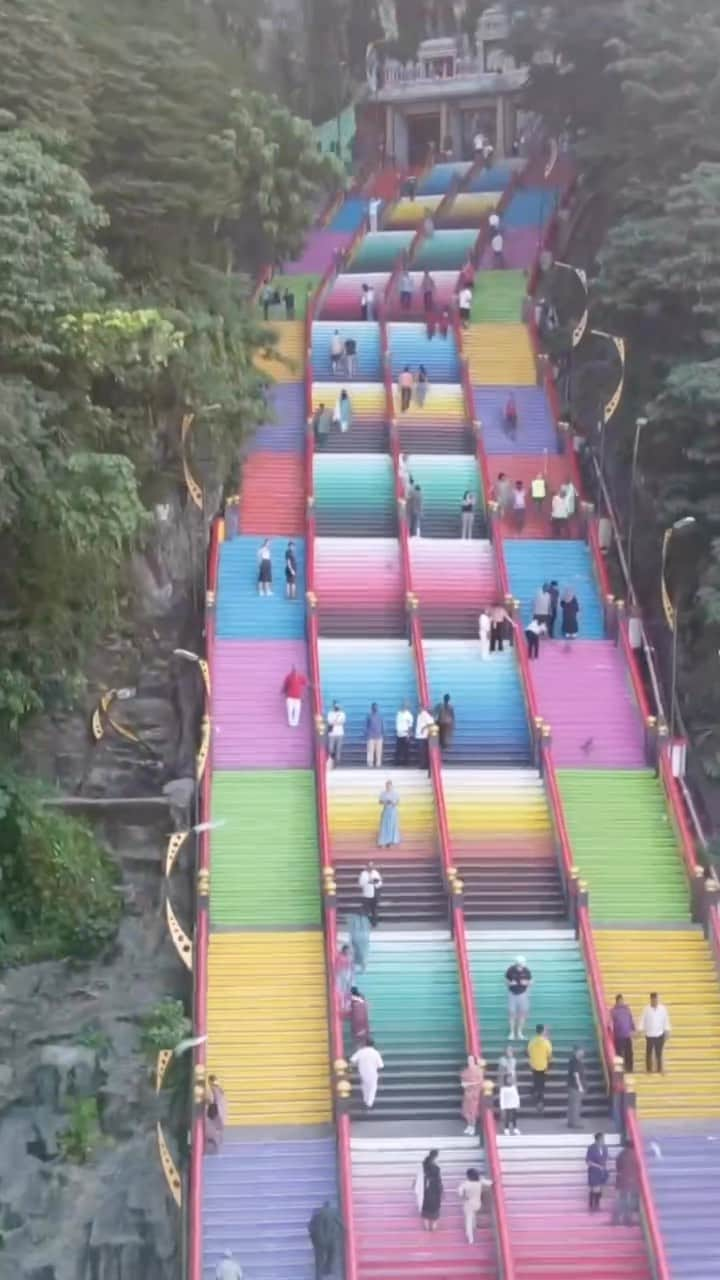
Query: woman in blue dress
x=596, y=1159
x=389, y=832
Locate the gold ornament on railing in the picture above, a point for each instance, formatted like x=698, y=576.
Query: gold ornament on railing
x=169, y=1168
x=204, y=750
x=203, y=882
x=180, y=939
x=191, y=483
x=162, y=1063
x=175, y=844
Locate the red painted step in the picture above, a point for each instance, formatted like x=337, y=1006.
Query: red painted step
x=272, y=501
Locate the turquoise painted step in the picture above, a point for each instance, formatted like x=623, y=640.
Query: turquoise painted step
x=531, y=562
x=367, y=340
x=359, y=672
x=491, y=722
x=379, y=250
x=445, y=249
x=444, y=478
x=354, y=494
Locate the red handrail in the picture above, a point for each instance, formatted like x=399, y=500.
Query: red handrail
x=202, y=929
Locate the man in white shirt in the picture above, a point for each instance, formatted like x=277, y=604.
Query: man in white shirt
x=498, y=246
x=368, y=1063
x=403, y=728
x=370, y=302
x=559, y=515
x=655, y=1026
x=478, y=144
x=465, y=305
x=494, y=222
x=228, y=1268
x=422, y=735
x=373, y=208
x=370, y=882
x=336, y=733
x=336, y=353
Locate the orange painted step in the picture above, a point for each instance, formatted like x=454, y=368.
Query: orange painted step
x=272, y=501
x=525, y=467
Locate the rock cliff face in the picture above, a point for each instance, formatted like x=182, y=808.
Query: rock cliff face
x=71, y=1032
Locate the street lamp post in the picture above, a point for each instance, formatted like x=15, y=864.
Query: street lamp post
x=640, y=424
x=672, y=610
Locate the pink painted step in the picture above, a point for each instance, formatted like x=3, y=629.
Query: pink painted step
x=584, y=692
x=318, y=253
x=250, y=729
x=521, y=248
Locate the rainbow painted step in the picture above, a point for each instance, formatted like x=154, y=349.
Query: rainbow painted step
x=360, y=672
x=359, y=584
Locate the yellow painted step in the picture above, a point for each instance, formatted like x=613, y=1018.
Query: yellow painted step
x=678, y=964
x=267, y=1026
x=499, y=355
x=444, y=403
x=286, y=362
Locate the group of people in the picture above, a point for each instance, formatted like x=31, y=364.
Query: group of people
x=409, y=727
x=413, y=386
x=270, y=296
x=325, y=419
x=548, y=601
x=429, y=1193
x=343, y=355
x=265, y=571
x=512, y=497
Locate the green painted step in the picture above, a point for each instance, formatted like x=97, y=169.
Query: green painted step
x=559, y=996
x=302, y=286
x=624, y=844
x=444, y=479
x=444, y=250
x=265, y=857
x=412, y=988
x=353, y=482
x=498, y=297
x=378, y=250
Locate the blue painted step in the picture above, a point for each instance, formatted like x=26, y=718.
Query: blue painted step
x=531, y=207
x=257, y=1201
x=440, y=177
x=532, y=562
x=494, y=179
x=360, y=672
x=684, y=1176
x=241, y=613
x=367, y=337
x=490, y=718
x=349, y=215
x=409, y=345
x=284, y=431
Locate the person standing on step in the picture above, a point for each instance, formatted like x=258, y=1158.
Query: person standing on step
x=494, y=222
x=294, y=686
x=596, y=1160
x=465, y=301
x=422, y=383
x=507, y=1065
x=484, y=627
x=336, y=721
x=404, y=474
x=264, y=579
x=622, y=1028
x=533, y=631
x=364, y=302
x=374, y=736
x=538, y=492
x=540, y=1055
x=370, y=883
x=571, y=497
x=290, y=571
x=406, y=290
x=368, y=1064
x=510, y=416
x=554, y=592
x=322, y=421
x=423, y=724
x=541, y=604
x=370, y=302
x=389, y=833
x=471, y=1195
x=576, y=1087
x=559, y=514
x=498, y=249
x=359, y=1018
x=325, y=1231
x=467, y=515
x=655, y=1026
x=342, y=413
x=228, y=1268
x=428, y=293
x=351, y=357
x=444, y=323
x=337, y=350
x=405, y=383
x=509, y=1104
x=445, y=721
x=502, y=493
x=429, y=1191
x=215, y=1116
x=359, y=932
x=414, y=510
x=404, y=721
x=627, y=1185
x=519, y=505
x=518, y=980
x=570, y=609
x=471, y=1079
x=499, y=618
x=344, y=979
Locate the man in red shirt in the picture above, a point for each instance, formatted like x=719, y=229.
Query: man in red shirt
x=294, y=686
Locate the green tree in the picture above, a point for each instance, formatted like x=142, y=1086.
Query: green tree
x=45, y=77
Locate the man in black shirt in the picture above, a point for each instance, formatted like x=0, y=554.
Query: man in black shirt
x=518, y=979
x=576, y=1087
x=350, y=357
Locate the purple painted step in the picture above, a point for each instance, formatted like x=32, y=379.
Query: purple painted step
x=318, y=253
x=257, y=1201
x=684, y=1164
x=584, y=693
x=284, y=432
x=522, y=245
x=250, y=725
x=536, y=430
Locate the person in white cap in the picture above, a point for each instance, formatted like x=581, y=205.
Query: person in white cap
x=228, y=1269
x=518, y=980
x=494, y=222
